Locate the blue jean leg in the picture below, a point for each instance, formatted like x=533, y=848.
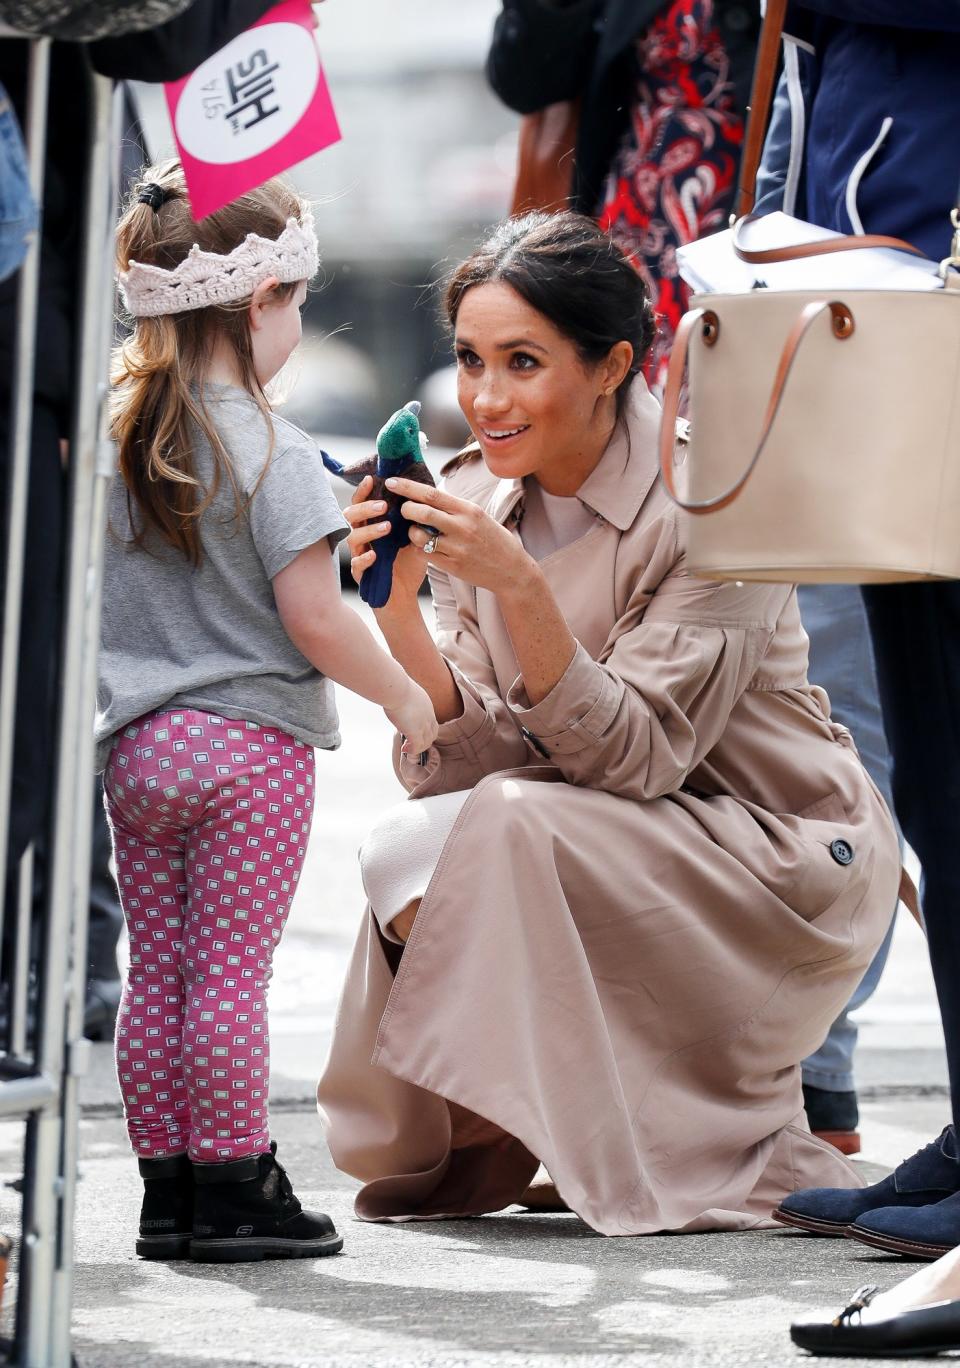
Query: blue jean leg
x=841, y=661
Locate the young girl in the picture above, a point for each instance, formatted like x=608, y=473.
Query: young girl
x=223, y=628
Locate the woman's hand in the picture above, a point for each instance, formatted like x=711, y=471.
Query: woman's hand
x=471, y=545
x=410, y=566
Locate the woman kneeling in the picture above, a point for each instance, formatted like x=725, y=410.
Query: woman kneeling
x=643, y=870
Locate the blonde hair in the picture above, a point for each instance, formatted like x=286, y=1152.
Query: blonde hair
x=157, y=372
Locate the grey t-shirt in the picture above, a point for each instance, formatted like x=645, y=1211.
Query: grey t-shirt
x=210, y=637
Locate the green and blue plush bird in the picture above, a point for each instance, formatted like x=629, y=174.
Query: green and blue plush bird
x=399, y=454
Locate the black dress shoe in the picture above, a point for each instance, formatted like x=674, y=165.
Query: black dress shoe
x=855, y=1333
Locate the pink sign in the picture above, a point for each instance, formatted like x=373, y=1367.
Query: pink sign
x=255, y=108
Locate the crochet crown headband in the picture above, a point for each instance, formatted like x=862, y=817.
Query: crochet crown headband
x=204, y=278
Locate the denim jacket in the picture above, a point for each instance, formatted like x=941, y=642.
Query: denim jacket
x=863, y=132
x=18, y=212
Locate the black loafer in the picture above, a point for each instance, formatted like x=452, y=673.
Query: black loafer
x=909, y=1334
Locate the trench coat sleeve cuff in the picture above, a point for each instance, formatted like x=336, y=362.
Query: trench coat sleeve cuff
x=456, y=754
x=466, y=734
x=575, y=714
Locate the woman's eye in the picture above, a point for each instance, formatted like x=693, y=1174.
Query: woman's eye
x=467, y=358
x=523, y=361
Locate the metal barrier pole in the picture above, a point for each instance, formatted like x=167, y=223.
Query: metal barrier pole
x=93, y=474
x=50, y=1167
x=25, y=1093
x=19, y=977
x=21, y=414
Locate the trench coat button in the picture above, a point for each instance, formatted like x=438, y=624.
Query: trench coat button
x=842, y=852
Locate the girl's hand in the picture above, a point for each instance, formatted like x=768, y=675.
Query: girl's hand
x=415, y=720
x=472, y=546
x=410, y=566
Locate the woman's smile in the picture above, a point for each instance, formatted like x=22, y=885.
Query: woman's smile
x=501, y=437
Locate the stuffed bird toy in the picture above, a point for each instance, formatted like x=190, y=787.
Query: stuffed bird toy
x=399, y=454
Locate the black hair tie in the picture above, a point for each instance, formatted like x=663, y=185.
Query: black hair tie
x=153, y=194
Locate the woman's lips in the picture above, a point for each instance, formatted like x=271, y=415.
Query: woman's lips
x=502, y=437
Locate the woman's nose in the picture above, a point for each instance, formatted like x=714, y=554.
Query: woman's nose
x=490, y=399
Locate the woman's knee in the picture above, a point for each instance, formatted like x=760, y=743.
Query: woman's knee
x=515, y=815
x=402, y=924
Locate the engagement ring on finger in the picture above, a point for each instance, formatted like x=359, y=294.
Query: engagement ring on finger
x=430, y=545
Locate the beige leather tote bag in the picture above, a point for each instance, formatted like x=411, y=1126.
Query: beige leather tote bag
x=825, y=428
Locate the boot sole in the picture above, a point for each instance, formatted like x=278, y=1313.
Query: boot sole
x=813, y=1225
x=249, y=1249
x=847, y=1142
x=893, y=1244
x=164, y=1246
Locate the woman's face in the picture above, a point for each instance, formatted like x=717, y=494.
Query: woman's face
x=533, y=405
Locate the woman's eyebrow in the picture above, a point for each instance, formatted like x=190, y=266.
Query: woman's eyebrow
x=527, y=343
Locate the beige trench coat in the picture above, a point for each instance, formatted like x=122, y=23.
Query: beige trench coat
x=629, y=944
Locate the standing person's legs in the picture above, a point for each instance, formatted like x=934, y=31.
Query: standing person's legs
x=915, y=630
x=841, y=662
x=211, y=819
x=244, y=859
x=916, y=637
x=150, y=874
x=153, y=894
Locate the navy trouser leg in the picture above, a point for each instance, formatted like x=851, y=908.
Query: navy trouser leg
x=915, y=630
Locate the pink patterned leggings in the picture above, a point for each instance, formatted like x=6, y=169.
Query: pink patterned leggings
x=210, y=822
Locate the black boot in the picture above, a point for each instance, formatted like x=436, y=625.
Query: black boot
x=166, y=1217
x=834, y=1116
x=246, y=1210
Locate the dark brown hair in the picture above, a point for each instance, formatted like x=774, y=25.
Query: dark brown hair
x=570, y=271
x=158, y=371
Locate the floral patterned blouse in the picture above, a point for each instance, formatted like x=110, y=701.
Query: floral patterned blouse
x=674, y=174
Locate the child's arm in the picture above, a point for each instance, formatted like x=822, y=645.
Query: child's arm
x=335, y=640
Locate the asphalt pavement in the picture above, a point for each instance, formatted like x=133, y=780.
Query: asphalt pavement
x=513, y=1289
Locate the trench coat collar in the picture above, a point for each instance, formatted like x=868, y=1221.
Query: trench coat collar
x=622, y=479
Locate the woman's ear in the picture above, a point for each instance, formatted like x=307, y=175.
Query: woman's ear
x=261, y=299
x=615, y=366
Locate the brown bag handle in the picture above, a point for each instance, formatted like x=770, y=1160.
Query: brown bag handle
x=908, y=895
x=820, y=247
x=761, y=97
x=842, y=327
